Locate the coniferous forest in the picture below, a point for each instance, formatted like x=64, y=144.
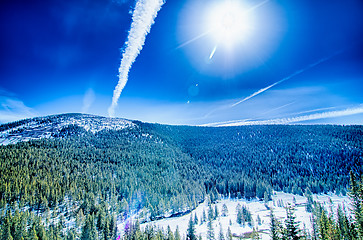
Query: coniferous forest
x=79, y=184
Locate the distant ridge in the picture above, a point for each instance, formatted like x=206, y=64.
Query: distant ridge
x=51, y=126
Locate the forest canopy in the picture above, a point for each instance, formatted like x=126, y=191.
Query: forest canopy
x=162, y=170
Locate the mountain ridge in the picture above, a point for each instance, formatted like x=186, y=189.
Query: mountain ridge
x=49, y=126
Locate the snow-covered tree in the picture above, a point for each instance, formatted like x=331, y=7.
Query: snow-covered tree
x=292, y=226
x=210, y=231
x=177, y=234
x=221, y=234
x=191, y=235
x=224, y=210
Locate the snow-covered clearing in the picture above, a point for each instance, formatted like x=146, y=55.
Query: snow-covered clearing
x=257, y=208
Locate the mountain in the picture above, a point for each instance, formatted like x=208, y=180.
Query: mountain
x=47, y=127
x=78, y=167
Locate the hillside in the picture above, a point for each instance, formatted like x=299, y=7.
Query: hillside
x=51, y=126
x=73, y=169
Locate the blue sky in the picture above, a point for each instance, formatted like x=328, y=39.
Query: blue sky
x=300, y=61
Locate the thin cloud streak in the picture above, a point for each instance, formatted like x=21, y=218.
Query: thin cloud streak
x=287, y=78
x=278, y=108
x=257, y=6
x=258, y=92
x=88, y=100
x=316, y=116
x=193, y=40
x=142, y=19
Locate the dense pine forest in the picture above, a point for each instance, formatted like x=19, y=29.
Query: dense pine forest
x=79, y=184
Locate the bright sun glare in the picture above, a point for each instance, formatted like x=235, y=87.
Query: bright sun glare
x=228, y=37
x=229, y=22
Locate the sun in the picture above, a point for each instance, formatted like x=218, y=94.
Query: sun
x=226, y=38
x=229, y=22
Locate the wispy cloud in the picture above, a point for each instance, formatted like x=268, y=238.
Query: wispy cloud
x=142, y=19
x=296, y=119
x=12, y=108
x=88, y=100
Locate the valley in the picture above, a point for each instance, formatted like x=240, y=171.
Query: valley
x=74, y=176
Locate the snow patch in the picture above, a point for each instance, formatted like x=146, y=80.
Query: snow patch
x=257, y=208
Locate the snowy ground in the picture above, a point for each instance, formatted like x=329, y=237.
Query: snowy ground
x=45, y=127
x=256, y=208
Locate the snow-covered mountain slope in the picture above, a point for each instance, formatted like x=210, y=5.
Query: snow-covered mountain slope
x=50, y=126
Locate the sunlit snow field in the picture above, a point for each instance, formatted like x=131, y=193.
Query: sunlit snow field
x=257, y=208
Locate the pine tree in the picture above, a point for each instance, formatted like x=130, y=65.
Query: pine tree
x=113, y=227
x=216, y=212
x=221, y=234
x=314, y=232
x=177, y=234
x=210, y=213
x=41, y=232
x=246, y=216
x=159, y=235
x=224, y=210
x=310, y=202
x=89, y=229
x=106, y=230
x=80, y=218
x=196, y=219
x=356, y=194
x=274, y=229
x=6, y=235
x=71, y=236
x=266, y=198
x=292, y=227
x=343, y=229
x=229, y=234
x=33, y=235
x=204, y=217
x=210, y=231
x=239, y=214
x=170, y=234
x=191, y=229
x=100, y=220
x=323, y=226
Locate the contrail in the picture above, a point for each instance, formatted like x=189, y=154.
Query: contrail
x=257, y=6
x=213, y=52
x=193, y=40
x=314, y=110
x=315, y=116
x=287, y=78
x=142, y=19
x=245, y=120
x=258, y=92
x=277, y=108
